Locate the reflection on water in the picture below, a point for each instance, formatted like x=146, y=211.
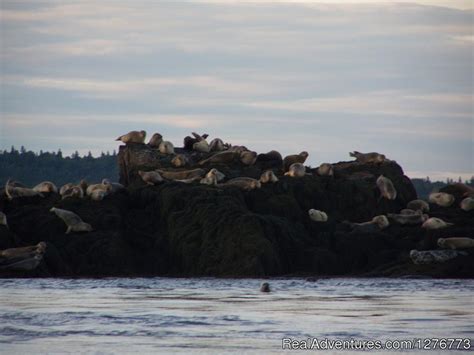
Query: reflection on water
x=215, y=315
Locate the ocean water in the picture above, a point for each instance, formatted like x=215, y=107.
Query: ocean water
x=168, y=315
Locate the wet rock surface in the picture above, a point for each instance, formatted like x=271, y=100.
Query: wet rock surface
x=179, y=229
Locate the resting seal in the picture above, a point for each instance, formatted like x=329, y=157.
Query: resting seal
x=435, y=223
x=73, y=221
x=166, y=147
x=72, y=191
x=377, y=223
x=155, y=140
x=179, y=161
x=418, y=205
x=133, y=137
x=189, y=141
x=23, y=258
x=244, y=183
x=46, y=187
x=408, y=219
x=202, y=146
x=210, y=178
x=467, y=204
x=150, y=177
x=441, y=199
x=371, y=157
x=292, y=159
x=317, y=216
x=268, y=176
x=456, y=243
x=181, y=175
x=386, y=188
x=433, y=256
x=224, y=157
x=248, y=157
x=296, y=170
x=217, y=145
x=14, y=192
x=325, y=169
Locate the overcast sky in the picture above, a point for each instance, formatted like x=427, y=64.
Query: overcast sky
x=396, y=78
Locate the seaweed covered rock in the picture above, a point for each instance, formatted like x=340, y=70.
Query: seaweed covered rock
x=200, y=230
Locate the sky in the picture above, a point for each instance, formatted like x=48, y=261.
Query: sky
x=326, y=77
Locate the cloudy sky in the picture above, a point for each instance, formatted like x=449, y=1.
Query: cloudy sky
x=392, y=77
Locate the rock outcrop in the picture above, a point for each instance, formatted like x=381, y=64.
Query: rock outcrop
x=179, y=229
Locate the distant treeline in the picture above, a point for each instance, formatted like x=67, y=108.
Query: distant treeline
x=31, y=168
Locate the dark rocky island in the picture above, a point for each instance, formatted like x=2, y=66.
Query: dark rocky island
x=178, y=229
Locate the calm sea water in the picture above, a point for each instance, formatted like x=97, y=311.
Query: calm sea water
x=224, y=315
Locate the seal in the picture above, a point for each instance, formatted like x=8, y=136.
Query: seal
x=371, y=157
x=237, y=148
x=317, y=215
x=219, y=176
x=155, y=140
x=225, y=157
x=456, y=243
x=433, y=256
x=202, y=146
x=112, y=186
x=435, y=223
x=46, y=187
x=217, y=145
x=292, y=159
x=325, y=169
x=181, y=175
x=188, y=141
x=459, y=190
x=376, y=224
x=23, y=258
x=268, y=176
x=467, y=204
x=133, y=137
x=14, y=191
x=73, y=221
x=150, y=177
x=3, y=219
x=244, y=183
x=166, y=147
x=210, y=178
x=73, y=191
x=408, y=219
x=407, y=212
x=387, y=190
x=265, y=287
x=296, y=170
x=105, y=186
x=98, y=195
x=442, y=199
x=248, y=157
x=418, y=205
x=179, y=161
x=270, y=156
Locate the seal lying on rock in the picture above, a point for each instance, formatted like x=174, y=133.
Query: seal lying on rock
x=179, y=161
x=268, y=176
x=296, y=170
x=73, y=221
x=456, y=243
x=225, y=157
x=155, y=140
x=3, y=219
x=435, y=223
x=14, y=191
x=244, y=183
x=377, y=223
x=202, y=146
x=72, y=191
x=217, y=145
x=248, y=157
x=210, y=178
x=467, y=204
x=188, y=141
x=408, y=212
x=408, y=219
x=325, y=169
x=46, y=187
x=112, y=186
x=181, y=175
x=371, y=157
x=434, y=256
x=23, y=258
x=150, y=177
x=295, y=158
x=133, y=137
x=418, y=205
x=441, y=199
x=166, y=147
x=386, y=188
x=317, y=215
